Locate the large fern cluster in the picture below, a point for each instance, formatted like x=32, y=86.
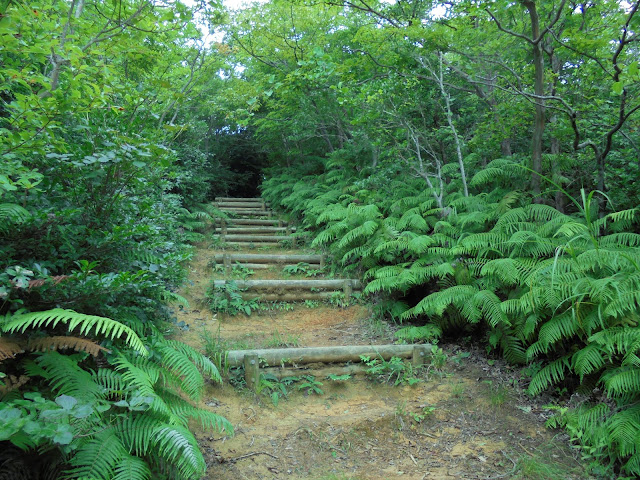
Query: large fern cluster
x=560, y=289
x=123, y=416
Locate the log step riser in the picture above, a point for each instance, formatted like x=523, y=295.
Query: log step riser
x=259, y=258
x=239, y=200
x=294, y=284
x=252, y=221
x=240, y=206
x=340, y=354
x=254, y=231
x=254, y=238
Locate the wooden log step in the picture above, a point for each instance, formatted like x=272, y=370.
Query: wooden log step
x=288, y=297
x=235, y=208
x=340, y=354
x=254, y=230
x=264, y=266
x=246, y=211
x=255, y=238
x=318, y=370
x=252, y=221
x=238, y=199
x=272, y=259
x=253, y=244
x=294, y=284
x=221, y=205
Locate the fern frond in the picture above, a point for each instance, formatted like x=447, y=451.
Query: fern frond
x=101, y=325
x=622, y=380
x=98, y=458
x=204, y=364
x=412, y=334
x=132, y=468
x=587, y=360
x=65, y=375
x=11, y=383
x=9, y=348
x=173, y=297
x=10, y=212
x=187, y=374
x=436, y=303
x=549, y=375
x=62, y=343
x=185, y=412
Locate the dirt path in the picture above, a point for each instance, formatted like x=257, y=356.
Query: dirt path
x=462, y=419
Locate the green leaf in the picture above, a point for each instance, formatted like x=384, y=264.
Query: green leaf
x=66, y=402
x=617, y=88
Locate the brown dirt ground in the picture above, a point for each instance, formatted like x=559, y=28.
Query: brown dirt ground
x=466, y=420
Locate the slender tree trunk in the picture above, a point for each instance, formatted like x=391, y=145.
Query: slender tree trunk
x=539, y=118
x=559, y=198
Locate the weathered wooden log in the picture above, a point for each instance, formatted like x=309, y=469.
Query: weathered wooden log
x=234, y=199
x=247, y=211
x=287, y=297
x=293, y=284
x=264, y=266
x=340, y=354
x=249, y=214
x=251, y=371
x=255, y=238
x=319, y=371
x=251, y=245
x=251, y=221
x=241, y=205
x=255, y=230
x=266, y=258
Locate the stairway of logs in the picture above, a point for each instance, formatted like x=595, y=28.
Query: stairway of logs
x=253, y=225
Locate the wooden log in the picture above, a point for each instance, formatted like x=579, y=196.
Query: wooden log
x=301, y=356
x=256, y=229
x=250, y=221
x=263, y=266
x=253, y=244
x=288, y=297
x=275, y=259
x=319, y=371
x=253, y=212
x=221, y=205
x=255, y=238
x=291, y=284
x=234, y=199
x=252, y=371
x=347, y=288
x=246, y=211
x=419, y=356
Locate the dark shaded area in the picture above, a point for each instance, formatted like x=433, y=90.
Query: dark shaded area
x=16, y=464
x=240, y=158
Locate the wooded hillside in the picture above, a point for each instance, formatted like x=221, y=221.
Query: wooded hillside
x=477, y=163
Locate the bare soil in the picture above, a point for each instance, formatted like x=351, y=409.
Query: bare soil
x=467, y=419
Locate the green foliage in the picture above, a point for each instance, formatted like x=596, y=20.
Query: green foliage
x=85, y=325
x=395, y=370
x=227, y=298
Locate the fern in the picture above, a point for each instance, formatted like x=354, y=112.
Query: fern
x=85, y=323
x=63, y=343
x=12, y=213
x=9, y=349
x=132, y=468
x=99, y=457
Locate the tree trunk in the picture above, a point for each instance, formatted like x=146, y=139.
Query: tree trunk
x=539, y=118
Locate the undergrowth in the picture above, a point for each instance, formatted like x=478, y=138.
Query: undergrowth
x=536, y=285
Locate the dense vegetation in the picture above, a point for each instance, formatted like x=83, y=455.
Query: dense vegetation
x=476, y=161
x=477, y=164
x=106, y=153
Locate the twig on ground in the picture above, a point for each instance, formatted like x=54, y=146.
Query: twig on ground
x=246, y=455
